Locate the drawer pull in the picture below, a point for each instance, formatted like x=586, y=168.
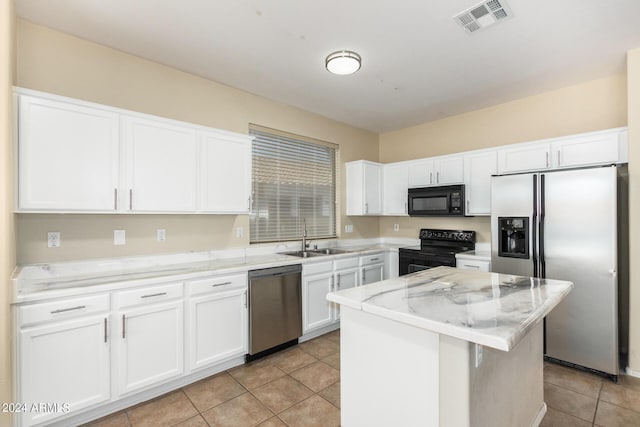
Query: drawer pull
x=105, y=329
x=64, y=310
x=374, y=259
x=472, y=266
x=123, y=323
x=220, y=284
x=153, y=295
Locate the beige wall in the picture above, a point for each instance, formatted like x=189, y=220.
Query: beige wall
x=633, y=73
x=62, y=64
x=598, y=104
x=7, y=240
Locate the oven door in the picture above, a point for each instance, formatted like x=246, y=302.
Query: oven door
x=412, y=261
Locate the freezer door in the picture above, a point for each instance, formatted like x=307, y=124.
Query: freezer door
x=513, y=197
x=580, y=233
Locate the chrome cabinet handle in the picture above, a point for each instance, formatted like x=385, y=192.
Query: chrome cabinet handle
x=123, y=331
x=249, y=204
x=547, y=158
x=64, y=310
x=245, y=299
x=366, y=208
x=338, y=284
x=219, y=284
x=374, y=259
x=430, y=177
x=115, y=199
x=468, y=210
x=364, y=274
x=471, y=266
x=105, y=329
x=130, y=199
x=438, y=177
x=154, y=295
x=333, y=284
x=406, y=209
x=558, y=157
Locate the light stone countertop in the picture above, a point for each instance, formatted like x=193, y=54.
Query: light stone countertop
x=491, y=309
x=53, y=280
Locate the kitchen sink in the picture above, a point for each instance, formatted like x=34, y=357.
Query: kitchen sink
x=304, y=254
x=330, y=251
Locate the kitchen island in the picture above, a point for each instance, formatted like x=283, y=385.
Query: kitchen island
x=445, y=347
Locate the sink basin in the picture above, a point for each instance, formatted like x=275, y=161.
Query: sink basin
x=330, y=251
x=305, y=254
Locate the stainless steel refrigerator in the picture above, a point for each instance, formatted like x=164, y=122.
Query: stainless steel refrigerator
x=564, y=225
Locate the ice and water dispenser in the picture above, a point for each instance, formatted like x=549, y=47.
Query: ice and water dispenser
x=513, y=241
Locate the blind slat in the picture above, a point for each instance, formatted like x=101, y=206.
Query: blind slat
x=292, y=180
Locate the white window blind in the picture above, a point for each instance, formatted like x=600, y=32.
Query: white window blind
x=293, y=180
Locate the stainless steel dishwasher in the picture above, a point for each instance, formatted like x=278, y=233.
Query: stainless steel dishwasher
x=275, y=309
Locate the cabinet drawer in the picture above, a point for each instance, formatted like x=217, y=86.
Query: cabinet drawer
x=341, y=264
x=317, y=268
x=468, y=264
x=58, y=310
x=216, y=284
x=148, y=295
x=372, y=259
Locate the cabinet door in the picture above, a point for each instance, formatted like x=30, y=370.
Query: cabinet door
x=344, y=279
x=372, y=189
x=66, y=362
x=449, y=170
x=150, y=341
x=396, y=182
x=67, y=156
x=524, y=158
x=217, y=327
x=478, y=169
x=161, y=166
x=372, y=273
x=421, y=173
x=584, y=150
x=316, y=310
x=226, y=174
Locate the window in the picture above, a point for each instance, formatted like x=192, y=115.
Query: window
x=294, y=179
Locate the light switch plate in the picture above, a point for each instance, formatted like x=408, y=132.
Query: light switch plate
x=396, y=227
x=161, y=234
x=348, y=228
x=53, y=239
x=119, y=237
x=240, y=232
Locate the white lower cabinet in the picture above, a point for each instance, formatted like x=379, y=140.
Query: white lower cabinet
x=217, y=319
x=371, y=268
x=63, y=360
x=149, y=337
x=317, y=282
x=346, y=276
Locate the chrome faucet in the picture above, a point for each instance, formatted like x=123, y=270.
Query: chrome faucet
x=305, y=245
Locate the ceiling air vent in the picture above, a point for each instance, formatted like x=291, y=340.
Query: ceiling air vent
x=483, y=15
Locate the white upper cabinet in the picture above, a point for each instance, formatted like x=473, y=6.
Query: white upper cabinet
x=524, y=157
x=421, y=173
x=364, y=188
x=443, y=170
x=602, y=147
x=478, y=168
x=67, y=157
x=161, y=166
x=76, y=156
x=395, y=178
x=225, y=173
x=449, y=170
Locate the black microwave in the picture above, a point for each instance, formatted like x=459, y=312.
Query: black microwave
x=446, y=200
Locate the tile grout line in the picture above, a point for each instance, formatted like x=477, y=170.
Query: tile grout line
x=595, y=413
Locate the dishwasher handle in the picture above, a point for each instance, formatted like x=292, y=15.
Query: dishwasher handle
x=275, y=271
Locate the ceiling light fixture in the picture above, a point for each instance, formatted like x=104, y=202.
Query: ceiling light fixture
x=343, y=62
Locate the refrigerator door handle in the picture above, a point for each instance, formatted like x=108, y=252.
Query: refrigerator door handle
x=534, y=226
x=542, y=214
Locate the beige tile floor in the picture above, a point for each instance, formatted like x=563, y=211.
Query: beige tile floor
x=300, y=386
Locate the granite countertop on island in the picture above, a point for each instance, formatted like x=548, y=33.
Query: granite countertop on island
x=491, y=309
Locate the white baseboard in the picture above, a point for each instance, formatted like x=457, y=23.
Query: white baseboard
x=632, y=373
x=320, y=331
x=541, y=413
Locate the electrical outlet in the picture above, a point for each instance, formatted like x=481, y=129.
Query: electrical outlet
x=240, y=232
x=119, y=237
x=348, y=228
x=161, y=234
x=53, y=239
x=396, y=227
x=479, y=355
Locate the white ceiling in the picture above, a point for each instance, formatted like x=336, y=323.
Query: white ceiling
x=418, y=64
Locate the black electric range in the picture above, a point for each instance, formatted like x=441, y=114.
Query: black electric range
x=437, y=247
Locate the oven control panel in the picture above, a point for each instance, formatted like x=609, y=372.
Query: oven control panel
x=448, y=235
